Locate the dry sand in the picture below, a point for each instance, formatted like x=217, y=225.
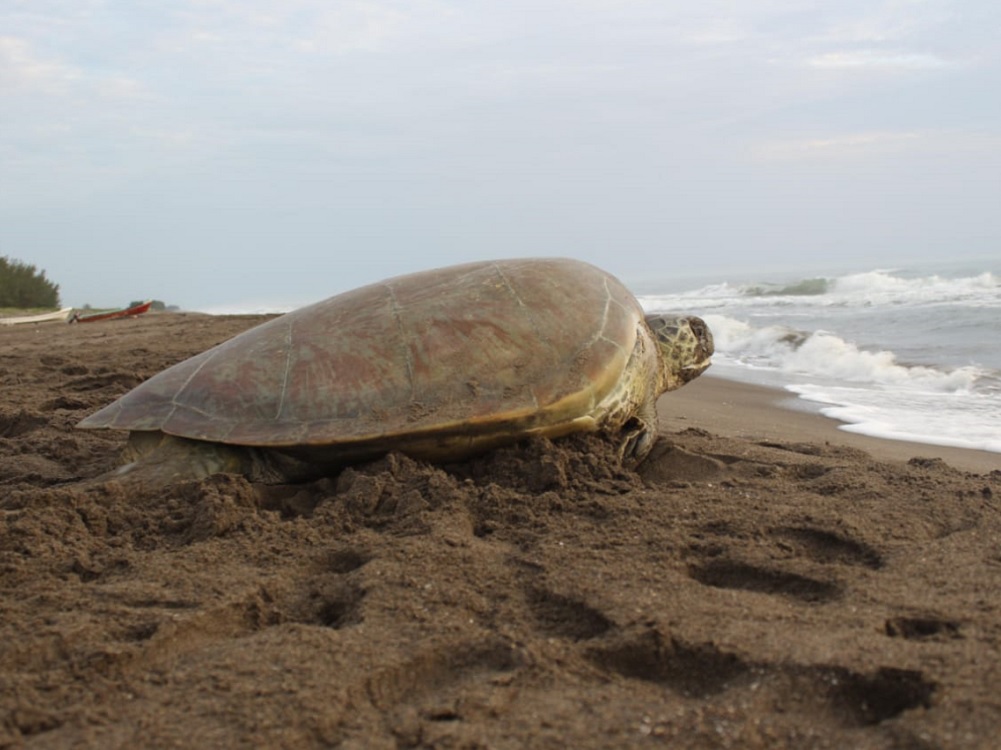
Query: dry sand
x=765, y=580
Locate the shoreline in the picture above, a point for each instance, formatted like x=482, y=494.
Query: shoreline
x=736, y=409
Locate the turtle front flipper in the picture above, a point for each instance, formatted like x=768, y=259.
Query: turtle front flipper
x=638, y=435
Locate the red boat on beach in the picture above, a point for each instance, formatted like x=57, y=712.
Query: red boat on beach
x=128, y=312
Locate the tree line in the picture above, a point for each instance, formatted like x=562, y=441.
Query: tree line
x=24, y=286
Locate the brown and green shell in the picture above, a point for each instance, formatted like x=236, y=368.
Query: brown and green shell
x=435, y=362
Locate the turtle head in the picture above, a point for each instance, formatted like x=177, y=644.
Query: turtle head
x=686, y=348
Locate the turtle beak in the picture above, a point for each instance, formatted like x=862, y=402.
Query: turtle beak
x=690, y=372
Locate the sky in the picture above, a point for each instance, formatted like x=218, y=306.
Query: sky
x=224, y=154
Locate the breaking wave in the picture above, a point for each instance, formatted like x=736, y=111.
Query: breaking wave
x=869, y=289
x=828, y=356
x=889, y=353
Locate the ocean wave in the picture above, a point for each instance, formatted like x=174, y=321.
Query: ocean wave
x=804, y=288
x=870, y=391
x=883, y=287
x=862, y=290
x=824, y=354
x=890, y=353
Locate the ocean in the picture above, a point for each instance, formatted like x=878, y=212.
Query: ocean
x=909, y=354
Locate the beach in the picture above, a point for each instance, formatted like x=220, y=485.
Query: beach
x=753, y=412
x=765, y=579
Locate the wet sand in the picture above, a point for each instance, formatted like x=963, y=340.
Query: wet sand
x=765, y=580
x=753, y=412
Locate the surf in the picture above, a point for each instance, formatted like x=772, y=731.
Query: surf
x=889, y=353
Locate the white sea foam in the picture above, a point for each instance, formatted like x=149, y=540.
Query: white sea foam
x=885, y=288
x=824, y=354
x=958, y=419
x=872, y=288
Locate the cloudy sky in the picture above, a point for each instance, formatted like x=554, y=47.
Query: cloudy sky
x=217, y=153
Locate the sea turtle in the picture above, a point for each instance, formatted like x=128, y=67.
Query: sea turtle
x=439, y=365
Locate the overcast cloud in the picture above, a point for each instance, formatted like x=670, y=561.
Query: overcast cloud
x=216, y=152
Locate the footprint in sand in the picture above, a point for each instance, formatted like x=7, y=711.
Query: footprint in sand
x=702, y=671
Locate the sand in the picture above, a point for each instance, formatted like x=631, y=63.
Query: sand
x=765, y=580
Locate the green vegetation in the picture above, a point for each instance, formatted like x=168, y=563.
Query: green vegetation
x=24, y=286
